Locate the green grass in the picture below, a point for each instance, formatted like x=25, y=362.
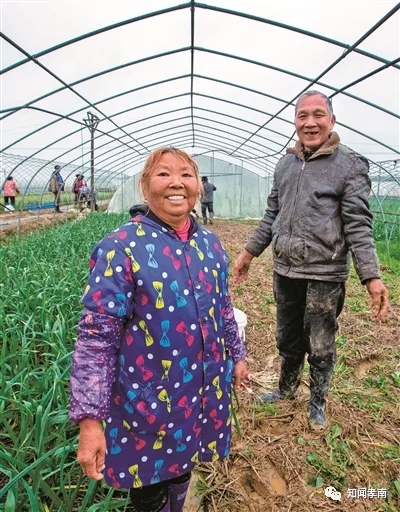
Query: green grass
x=43, y=278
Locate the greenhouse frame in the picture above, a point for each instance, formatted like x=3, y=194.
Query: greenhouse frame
x=201, y=90
x=93, y=87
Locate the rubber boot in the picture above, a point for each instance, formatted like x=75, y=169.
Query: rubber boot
x=165, y=508
x=321, y=370
x=289, y=380
x=211, y=221
x=177, y=496
x=204, y=220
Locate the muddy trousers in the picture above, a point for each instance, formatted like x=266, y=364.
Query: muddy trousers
x=307, y=314
x=166, y=496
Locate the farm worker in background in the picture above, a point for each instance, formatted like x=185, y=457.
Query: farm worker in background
x=317, y=212
x=89, y=198
x=157, y=345
x=85, y=195
x=207, y=200
x=10, y=189
x=79, y=183
x=56, y=186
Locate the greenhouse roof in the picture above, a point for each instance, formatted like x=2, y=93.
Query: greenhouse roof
x=220, y=77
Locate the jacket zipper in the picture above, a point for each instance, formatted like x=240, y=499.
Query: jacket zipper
x=335, y=247
x=294, y=208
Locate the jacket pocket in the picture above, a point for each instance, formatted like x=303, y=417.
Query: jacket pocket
x=322, y=243
x=279, y=246
x=147, y=409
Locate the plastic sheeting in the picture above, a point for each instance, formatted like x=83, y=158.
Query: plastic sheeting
x=221, y=77
x=240, y=193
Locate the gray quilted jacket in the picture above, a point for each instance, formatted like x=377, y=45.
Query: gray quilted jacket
x=317, y=214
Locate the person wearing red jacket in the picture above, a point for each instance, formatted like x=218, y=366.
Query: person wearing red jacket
x=10, y=190
x=79, y=183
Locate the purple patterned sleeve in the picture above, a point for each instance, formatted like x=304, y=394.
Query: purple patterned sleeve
x=232, y=339
x=93, y=365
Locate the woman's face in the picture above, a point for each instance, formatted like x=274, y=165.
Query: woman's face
x=171, y=190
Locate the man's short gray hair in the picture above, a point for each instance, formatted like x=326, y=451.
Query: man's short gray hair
x=314, y=92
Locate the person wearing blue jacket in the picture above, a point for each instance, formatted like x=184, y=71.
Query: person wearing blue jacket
x=158, y=345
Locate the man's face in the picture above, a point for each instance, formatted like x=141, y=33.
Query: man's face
x=313, y=122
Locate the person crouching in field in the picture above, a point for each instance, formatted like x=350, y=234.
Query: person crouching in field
x=158, y=345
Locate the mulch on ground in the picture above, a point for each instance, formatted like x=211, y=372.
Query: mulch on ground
x=277, y=464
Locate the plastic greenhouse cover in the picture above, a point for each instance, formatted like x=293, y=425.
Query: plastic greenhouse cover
x=221, y=77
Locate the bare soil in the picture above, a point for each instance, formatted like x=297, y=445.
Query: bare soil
x=276, y=463
x=272, y=466
x=19, y=223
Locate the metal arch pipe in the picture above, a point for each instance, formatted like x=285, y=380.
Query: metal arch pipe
x=94, y=33
x=343, y=56
x=336, y=91
x=199, y=124
x=135, y=159
x=192, y=18
x=197, y=117
x=150, y=85
x=201, y=131
x=102, y=73
x=56, y=77
x=199, y=5
x=299, y=30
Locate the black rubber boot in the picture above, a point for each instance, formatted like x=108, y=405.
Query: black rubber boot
x=204, y=220
x=177, y=495
x=321, y=371
x=289, y=380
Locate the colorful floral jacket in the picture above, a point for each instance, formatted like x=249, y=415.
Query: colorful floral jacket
x=155, y=352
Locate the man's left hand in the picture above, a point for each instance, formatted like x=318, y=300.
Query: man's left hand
x=379, y=298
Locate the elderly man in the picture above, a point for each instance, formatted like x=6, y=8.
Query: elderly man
x=317, y=213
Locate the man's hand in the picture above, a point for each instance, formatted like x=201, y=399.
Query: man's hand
x=241, y=373
x=379, y=298
x=91, y=448
x=241, y=267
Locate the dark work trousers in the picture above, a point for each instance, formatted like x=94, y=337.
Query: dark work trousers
x=207, y=206
x=10, y=199
x=307, y=312
x=153, y=498
x=57, y=200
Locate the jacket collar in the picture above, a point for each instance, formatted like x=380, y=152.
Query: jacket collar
x=326, y=149
x=144, y=210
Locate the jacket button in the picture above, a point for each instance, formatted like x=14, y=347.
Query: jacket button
x=204, y=320
x=187, y=247
x=197, y=285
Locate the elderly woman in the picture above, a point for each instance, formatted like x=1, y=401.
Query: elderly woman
x=157, y=345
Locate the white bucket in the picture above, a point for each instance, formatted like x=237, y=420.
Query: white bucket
x=241, y=320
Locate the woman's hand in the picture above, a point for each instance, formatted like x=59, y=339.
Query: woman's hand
x=91, y=448
x=241, y=373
